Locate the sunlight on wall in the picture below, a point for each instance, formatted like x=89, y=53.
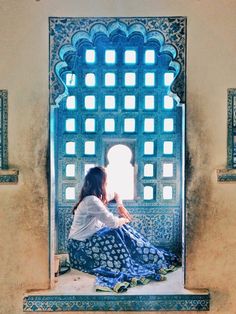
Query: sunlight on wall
x=120, y=172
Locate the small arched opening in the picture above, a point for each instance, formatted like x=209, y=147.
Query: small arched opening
x=120, y=171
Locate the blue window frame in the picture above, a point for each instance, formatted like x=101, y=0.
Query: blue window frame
x=118, y=84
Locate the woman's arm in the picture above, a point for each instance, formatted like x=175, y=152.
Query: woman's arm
x=121, y=209
x=101, y=212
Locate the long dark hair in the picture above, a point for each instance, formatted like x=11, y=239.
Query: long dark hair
x=94, y=184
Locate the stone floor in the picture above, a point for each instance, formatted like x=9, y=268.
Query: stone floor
x=75, y=282
x=74, y=291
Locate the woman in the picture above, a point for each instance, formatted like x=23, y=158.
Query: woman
x=105, y=245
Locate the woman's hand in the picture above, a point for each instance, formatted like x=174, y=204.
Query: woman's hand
x=123, y=212
x=123, y=221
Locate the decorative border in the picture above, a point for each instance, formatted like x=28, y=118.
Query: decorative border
x=172, y=31
x=55, y=303
x=7, y=176
x=3, y=129
x=231, y=124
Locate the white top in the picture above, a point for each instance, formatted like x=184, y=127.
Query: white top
x=90, y=216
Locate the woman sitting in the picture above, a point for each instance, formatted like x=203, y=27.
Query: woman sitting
x=106, y=246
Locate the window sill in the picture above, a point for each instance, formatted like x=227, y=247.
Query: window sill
x=9, y=176
x=226, y=175
x=73, y=292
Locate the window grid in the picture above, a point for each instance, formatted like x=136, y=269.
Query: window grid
x=120, y=87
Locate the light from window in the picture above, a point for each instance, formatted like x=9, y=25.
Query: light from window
x=148, y=170
x=149, y=125
x=70, y=193
x=70, y=102
x=130, y=79
x=149, y=79
x=110, y=79
x=70, y=125
x=90, y=79
x=129, y=125
x=110, y=56
x=70, y=170
x=119, y=157
x=89, y=148
x=129, y=102
x=148, y=148
x=168, y=170
x=149, y=102
x=148, y=193
x=130, y=56
x=168, y=78
x=149, y=56
x=168, y=102
x=70, y=148
x=110, y=102
x=168, y=125
x=167, y=192
x=89, y=102
x=70, y=79
x=90, y=125
x=90, y=55
x=168, y=148
x=109, y=125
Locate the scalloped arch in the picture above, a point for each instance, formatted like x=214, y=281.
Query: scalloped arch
x=90, y=36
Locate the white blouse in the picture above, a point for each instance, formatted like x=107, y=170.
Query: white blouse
x=90, y=216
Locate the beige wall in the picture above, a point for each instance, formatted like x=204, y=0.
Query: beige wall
x=211, y=206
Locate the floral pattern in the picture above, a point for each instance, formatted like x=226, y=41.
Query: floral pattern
x=120, y=258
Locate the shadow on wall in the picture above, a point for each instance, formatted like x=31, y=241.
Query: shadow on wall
x=198, y=175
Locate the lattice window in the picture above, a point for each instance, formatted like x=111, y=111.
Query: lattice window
x=119, y=91
x=125, y=80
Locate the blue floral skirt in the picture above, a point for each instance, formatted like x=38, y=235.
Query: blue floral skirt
x=120, y=258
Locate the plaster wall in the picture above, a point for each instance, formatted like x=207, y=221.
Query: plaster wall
x=211, y=65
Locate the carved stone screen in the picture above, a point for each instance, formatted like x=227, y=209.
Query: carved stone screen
x=120, y=81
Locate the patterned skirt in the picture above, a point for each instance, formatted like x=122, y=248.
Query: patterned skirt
x=120, y=258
